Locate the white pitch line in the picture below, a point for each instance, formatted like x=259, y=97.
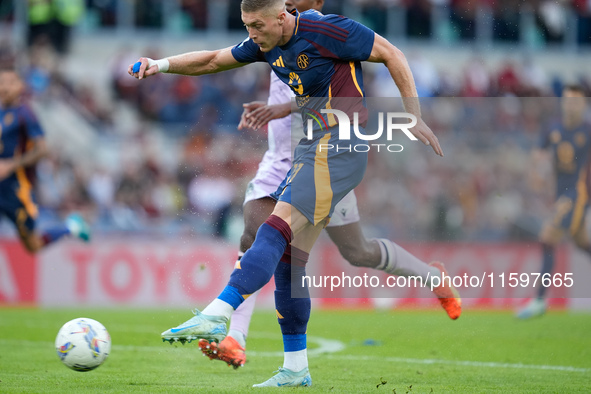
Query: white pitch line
x=327, y=347
x=461, y=363
x=324, y=346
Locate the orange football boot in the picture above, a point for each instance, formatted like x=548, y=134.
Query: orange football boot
x=228, y=350
x=448, y=295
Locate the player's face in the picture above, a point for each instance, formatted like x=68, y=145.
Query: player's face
x=265, y=29
x=574, y=104
x=11, y=87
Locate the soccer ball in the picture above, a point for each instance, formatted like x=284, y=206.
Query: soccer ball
x=83, y=344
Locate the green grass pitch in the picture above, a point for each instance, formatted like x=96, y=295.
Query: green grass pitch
x=399, y=351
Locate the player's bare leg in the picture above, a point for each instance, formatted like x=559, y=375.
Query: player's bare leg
x=387, y=256
x=32, y=242
x=255, y=213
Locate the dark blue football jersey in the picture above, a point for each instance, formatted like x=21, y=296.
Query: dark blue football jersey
x=18, y=127
x=322, y=59
x=570, y=149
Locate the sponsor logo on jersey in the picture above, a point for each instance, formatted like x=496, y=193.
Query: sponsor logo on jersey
x=279, y=62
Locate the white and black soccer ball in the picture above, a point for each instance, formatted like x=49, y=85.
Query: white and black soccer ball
x=83, y=344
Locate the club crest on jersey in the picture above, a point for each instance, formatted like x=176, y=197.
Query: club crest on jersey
x=303, y=61
x=8, y=119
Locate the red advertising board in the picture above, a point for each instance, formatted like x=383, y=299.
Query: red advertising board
x=18, y=274
x=155, y=273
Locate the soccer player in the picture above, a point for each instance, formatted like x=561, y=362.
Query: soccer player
x=22, y=145
x=317, y=56
x=344, y=228
x=568, y=142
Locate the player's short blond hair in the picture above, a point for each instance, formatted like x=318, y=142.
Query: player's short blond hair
x=262, y=5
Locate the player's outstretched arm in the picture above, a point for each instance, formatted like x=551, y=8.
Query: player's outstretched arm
x=384, y=52
x=257, y=114
x=190, y=63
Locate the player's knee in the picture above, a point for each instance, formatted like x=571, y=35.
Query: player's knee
x=247, y=238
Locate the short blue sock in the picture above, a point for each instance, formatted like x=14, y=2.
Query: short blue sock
x=232, y=296
x=53, y=234
x=294, y=343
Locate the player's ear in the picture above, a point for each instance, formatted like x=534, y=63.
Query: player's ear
x=281, y=17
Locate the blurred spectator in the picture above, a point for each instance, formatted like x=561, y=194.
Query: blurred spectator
x=148, y=13
x=476, y=79
x=52, y=20
x=211, y=195
x=66, y=14
x=477, y=193
x=40, y=17
x=105, y=11
x=583, y=9
x=196, y=10
x=552, y=19
x=506, y=19
x=463, y=17
x=418, y=19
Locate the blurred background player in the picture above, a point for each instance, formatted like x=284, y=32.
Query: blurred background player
x=22, y=145
x=344, y=228
x=568, y=142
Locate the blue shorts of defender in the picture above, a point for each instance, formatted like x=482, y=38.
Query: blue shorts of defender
x=323, y=171
x=16, y=203
x=569, y=211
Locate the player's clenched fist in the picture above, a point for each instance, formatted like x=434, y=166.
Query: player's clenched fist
x=146, y=67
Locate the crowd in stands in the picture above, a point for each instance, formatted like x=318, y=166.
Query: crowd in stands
x=460, y=17
x=481, y=190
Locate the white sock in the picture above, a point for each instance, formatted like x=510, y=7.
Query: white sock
x=218, y=308
x=398, y=261
x=240, y=254
x=295, y=361
x=238, y=336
